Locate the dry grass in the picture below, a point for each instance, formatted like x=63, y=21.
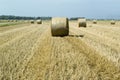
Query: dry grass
x=36, y=55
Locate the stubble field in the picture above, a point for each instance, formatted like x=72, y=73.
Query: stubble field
x=29, y=52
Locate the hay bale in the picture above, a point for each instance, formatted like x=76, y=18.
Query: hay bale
x=32, y=21
x=15, y=20
x=39, y=21
x=8, y=20
x=12, y=20
x=82, y=23
x=94, y=21
x=112, y=22
x=60, y=26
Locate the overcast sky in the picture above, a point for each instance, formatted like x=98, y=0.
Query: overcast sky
x=67, y=8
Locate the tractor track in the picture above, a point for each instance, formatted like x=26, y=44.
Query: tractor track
x=106, y=46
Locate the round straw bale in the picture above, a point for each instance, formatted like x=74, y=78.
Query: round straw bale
x=81, y=22
x=15, y=20
x=39, y=21
x=12, y=20
x=94, y=21
x=32, y=21
x=112, y=22
x=60, y=26
x=8, y=20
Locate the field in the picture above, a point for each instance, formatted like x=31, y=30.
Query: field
x=29, y=52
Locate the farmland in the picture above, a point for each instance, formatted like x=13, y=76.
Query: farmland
x=29, y=52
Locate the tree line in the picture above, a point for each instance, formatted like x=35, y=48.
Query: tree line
x=11, y=17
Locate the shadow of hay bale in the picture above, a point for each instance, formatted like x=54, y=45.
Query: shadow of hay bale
x=71, y=36
x=76, y=35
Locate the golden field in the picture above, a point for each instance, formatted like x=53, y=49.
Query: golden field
x=29, y=52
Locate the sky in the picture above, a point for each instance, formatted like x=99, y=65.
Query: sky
x=62, y=8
